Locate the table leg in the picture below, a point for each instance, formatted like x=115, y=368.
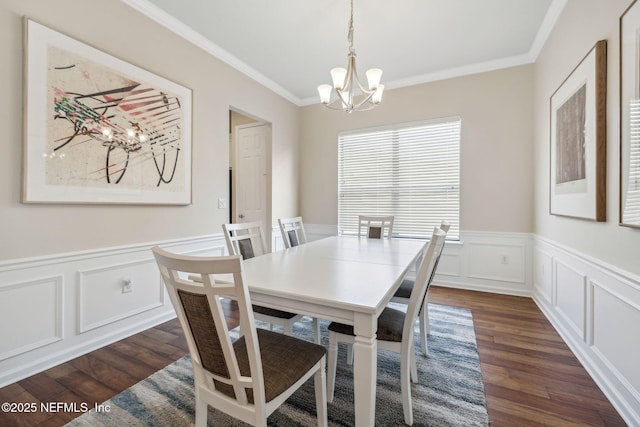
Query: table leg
x=365, y=367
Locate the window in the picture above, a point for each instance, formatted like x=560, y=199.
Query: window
x=409, y=171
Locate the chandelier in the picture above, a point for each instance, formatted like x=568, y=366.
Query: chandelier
x=351, y=94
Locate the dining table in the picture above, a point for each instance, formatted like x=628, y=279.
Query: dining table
x=344, y=279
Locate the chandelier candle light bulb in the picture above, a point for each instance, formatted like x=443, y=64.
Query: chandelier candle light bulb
x=338, y=75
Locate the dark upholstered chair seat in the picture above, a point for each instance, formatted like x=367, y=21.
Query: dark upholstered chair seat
x=284, y=361
x=273, y=312
x=404, y=291
x=390, y=323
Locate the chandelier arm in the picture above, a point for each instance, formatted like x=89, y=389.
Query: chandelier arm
x=360, y=86
x=366, y=99
x=369, y=106
x=339, y=105
x=334, y=108
x=351, y=70
x=345, y=102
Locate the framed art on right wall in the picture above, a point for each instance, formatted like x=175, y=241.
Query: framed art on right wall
x=578, y=140
x=630, y=116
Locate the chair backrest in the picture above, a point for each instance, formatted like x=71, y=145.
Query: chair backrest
x=292, y=230
x=423, y=280
x=197, y=304
x=244, y=239
x=376, y=227
x=444, y=226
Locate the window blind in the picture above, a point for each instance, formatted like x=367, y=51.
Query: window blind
x=411, y=172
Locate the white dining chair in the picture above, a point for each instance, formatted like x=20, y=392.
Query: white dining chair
x=395, y=330
x=248, y=378
x=403, y=296
x=246, y=239
x=375, y=226
x=292, y=230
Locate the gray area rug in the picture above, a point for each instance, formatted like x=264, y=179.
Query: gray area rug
x=449, y=393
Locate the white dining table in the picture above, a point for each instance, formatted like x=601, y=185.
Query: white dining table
x=344, y=279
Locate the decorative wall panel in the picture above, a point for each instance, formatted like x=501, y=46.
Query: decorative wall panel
x=34, y=315
x=103, y=295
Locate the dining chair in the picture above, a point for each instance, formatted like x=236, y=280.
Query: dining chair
x=292, y=230
x=403, y=296
x=248, y=378
x=375, y=227
x=246, y=239
x=395, y=329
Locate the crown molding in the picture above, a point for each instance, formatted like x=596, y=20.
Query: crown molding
x=548, y=23
x=449, y=73
x=161, y=17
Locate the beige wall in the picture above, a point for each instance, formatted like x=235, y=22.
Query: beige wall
x=505, y=124
x=570, y=41
x=496, y=149
x=111, y=26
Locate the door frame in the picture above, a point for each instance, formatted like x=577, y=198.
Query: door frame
x=268, y=196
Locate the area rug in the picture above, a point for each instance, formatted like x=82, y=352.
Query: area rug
x=450, y=390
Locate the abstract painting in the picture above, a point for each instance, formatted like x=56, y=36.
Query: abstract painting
x=578, y=140
x=570, y=140
x=101, y=130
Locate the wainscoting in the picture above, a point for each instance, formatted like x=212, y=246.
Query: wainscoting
x=55, y=308
x=596, y=309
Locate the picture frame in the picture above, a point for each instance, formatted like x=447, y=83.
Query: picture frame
x=578, y=154
x=629, y=114
x=98, y=129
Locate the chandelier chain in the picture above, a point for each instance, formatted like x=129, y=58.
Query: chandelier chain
x=350, y=35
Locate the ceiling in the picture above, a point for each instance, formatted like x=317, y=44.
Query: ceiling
x=290, y=45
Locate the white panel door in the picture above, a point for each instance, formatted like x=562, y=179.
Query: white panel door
x=252, y=170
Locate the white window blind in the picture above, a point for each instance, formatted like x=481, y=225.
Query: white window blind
x=411, y=172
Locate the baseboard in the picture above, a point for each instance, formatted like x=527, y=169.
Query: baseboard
x=40, y=364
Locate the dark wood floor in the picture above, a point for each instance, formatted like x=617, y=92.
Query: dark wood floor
x=531, y=378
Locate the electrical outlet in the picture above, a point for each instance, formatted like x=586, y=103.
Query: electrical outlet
x=222, y=203
x=127, y=286
x=505, y=259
